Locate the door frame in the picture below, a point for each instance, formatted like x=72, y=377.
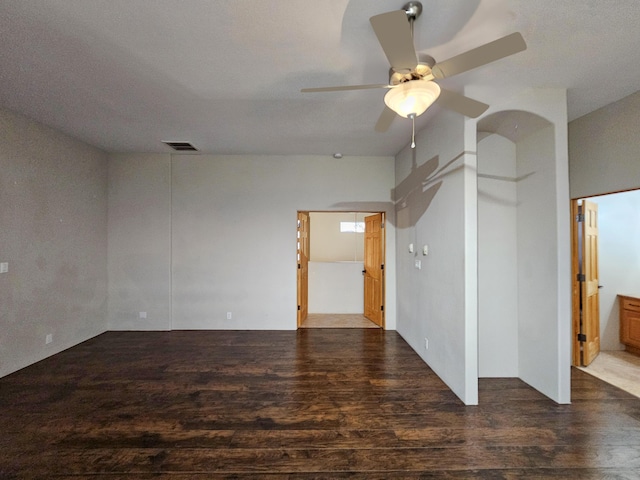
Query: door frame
x=384, y=249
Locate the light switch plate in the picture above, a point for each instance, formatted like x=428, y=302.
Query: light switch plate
x=4, y=267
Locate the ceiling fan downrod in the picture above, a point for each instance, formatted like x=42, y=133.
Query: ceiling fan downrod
x=413, y=11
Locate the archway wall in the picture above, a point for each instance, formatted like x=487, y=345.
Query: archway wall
x=543, y=240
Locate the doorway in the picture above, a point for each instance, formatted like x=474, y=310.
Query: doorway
x=340, y=281
x=618, y=272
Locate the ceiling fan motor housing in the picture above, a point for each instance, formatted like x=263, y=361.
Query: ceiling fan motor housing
x=413, y=10
x=422, y=70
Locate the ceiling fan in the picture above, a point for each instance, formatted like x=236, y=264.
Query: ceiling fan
x=412, y=87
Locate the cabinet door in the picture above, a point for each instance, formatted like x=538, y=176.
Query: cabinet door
x=630, y=328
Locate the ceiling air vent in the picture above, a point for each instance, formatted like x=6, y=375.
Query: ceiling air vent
x=181, y=146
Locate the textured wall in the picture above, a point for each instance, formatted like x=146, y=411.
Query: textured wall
x=430, y=199
x=139, y=259
x=604, y=147
x=221, y=235
x=53, y=234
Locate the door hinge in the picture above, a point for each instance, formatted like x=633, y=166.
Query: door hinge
x=298, y=307
x=382, y=225
x=382, y=308
x=382, y=267
x=299, y=267
x=581, y=277
x=582, y=337
x=580, y=217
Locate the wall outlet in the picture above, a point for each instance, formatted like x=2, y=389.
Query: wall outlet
x=4, y=267
x=228, y=315
x=426, y=343
x=142, y=315
x=49, y=338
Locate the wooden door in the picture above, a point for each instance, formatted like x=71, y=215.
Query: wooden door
x=586, y=298
x=374, y=268
x=590, y=296
x=303, y=266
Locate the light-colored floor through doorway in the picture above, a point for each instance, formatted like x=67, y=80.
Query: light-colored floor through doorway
x=618, y=368
x=337, y=320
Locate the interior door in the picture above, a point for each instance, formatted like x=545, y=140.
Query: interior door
x=303, y=266
x=586, y=301
x=590, y=296
x=374, y=268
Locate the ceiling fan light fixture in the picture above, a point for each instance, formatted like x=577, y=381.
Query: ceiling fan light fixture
x=412, y=97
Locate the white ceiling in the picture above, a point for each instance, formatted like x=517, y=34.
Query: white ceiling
x=226, y=75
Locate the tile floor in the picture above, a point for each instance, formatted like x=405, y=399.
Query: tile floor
x=337, y=320
x=618, y=368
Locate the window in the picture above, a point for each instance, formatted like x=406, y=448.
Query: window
x=351, y=227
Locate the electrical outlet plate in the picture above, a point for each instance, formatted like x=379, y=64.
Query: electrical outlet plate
x=228, y=315
x=4, y=267
x=49, y=338
x=426, y=343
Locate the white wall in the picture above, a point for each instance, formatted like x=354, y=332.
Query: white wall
x=497, y=258
x=329, y=244
x=619, y=259
x=336, y=284
x=53, y=218
x=538, y=283
x=233, y=233
x=604, y=148
x=139, y=256
x=431, y=195
x=336, y=287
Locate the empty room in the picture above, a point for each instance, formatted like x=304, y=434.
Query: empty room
x=159, y=161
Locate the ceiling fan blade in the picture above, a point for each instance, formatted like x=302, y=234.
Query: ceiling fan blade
x=487, y=53
x=344, y=87
x=385, y=119
x=394, y=34
x=461, y=104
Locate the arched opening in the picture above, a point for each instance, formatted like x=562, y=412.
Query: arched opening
x=517, y=260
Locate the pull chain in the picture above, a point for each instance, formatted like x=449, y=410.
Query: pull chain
x=412, y=116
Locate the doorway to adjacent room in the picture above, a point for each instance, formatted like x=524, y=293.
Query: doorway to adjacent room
x=340, y=269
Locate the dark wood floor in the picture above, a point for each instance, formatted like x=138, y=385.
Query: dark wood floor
x=306, y=404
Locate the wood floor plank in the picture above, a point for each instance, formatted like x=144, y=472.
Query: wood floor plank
x=309, y=404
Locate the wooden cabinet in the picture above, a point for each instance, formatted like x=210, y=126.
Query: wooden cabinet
x=630, y=323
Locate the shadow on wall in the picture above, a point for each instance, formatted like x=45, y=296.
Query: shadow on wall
x=514, y=125
x=495, y=199
x=413, y=196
